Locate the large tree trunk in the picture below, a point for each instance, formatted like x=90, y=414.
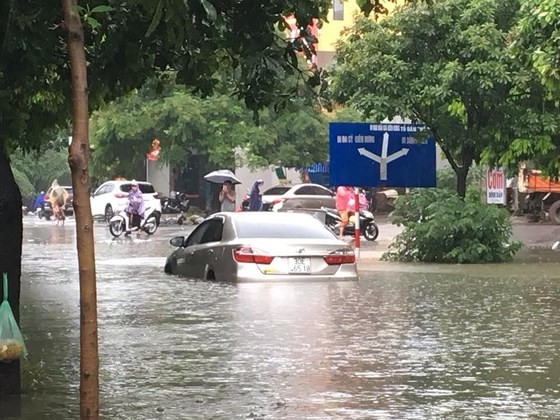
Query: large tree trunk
x=78, y=159
x=11, y=229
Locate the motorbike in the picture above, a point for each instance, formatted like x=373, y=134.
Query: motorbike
x=368, y=227
x=244, y=203
x=119, y=223
x=177, y=202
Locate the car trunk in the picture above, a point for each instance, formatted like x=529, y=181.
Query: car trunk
x=298, y=257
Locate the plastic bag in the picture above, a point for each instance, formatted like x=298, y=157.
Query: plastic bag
x=12, y=346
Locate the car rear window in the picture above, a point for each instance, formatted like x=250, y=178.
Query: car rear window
x=145, y=188
x=276, y=191
x=297, y=229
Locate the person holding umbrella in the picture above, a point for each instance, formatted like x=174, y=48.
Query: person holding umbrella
x=255, y=198
x=227, y=196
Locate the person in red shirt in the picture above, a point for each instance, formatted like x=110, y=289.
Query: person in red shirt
x=343, y=196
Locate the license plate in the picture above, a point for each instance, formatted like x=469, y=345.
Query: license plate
x=299, y=265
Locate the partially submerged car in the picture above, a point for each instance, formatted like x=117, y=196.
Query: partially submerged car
x=262, y=246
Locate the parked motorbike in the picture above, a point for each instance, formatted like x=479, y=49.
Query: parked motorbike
x=177, y=202
x=119, y=223
x=368, y=227
x=244, y=203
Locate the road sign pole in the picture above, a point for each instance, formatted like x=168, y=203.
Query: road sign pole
x=357, y=222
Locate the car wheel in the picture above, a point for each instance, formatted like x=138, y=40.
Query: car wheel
x=371, y=231
x=108, y=213
x=554, y=212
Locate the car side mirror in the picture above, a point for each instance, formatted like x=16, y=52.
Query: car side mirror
x=178, y=241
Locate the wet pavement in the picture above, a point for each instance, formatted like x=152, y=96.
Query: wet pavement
x=407, y=341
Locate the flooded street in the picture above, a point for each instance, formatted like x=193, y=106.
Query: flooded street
x=405, y=342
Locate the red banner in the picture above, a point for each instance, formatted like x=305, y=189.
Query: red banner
x=153, y=154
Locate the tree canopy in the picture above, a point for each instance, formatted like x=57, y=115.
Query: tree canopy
x=217, y=125
x=537, y=39
x=129, y=40
x=448, y=65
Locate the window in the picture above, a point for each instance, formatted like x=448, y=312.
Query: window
x=214, y=231
x=195, y=238
x=313, y=190
x=277, y=191
x=289, y=227
x=104, y=189
x=338, y=10
x=146, y=188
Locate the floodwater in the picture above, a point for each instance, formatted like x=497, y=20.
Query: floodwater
x=405, y=342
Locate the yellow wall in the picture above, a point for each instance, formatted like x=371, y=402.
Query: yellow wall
x=329, y=34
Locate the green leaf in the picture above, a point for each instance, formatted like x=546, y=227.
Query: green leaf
x=210, y=10
x=102, y=9
x=156, y=18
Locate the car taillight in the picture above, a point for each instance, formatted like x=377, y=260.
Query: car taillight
x=121, y=195
x=46, y=197
x=278, y=200
x=246, y=254
x=341, y=256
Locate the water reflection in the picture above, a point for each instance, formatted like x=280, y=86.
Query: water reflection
x=395, y=345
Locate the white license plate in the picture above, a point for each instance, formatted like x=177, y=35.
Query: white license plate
x=299, y=265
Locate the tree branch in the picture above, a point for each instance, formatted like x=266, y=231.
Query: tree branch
x=6, y=9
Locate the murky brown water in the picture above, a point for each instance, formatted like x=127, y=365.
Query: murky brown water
x=403, y=343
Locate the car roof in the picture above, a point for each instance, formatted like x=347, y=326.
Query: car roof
x=268, y=216
x=282, y=225
x=126, y=181
x=289, y=187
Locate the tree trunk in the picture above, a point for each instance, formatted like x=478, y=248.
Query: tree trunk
x=11, y=229
x=462, y=174
x=78, y=159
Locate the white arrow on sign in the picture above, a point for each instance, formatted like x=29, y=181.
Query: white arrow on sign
x=383, y=160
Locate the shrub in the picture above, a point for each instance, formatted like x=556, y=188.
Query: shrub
x=441, y=227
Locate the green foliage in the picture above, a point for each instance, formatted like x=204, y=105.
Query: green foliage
x=218, y=125
x=450, y=66
x=441, y=227
x=25, y=186
x=39, y=169
x=447, y=179
x=129, y=41
x=379, y=7
x=537, y=40
x=347, y=114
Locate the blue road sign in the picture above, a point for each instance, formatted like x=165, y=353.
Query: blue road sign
x=377, y=154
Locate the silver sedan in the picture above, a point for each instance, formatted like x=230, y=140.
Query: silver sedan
x=262, y=246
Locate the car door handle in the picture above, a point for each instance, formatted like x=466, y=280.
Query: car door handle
x=210, y=252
